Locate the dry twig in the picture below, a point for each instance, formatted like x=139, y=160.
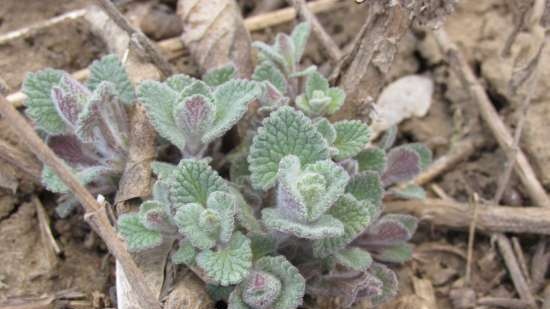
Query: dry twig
x=94, y=214
x=515, y=271
x=491, y=218
x=491, y=117
x=471, y=239
x=326, y=41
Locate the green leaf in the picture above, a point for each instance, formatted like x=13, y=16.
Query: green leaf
x=185, y=254
x=337, y=98
x=104, y=119
x=218, y=76
x=354, y=258
x=110, y=69
x=228, y=265
x=326, y=129
x=299, y=36
x=137, y=236
x=193, y=181
x=262, y=245
x=351, y=137
x=389, y=283
x=52, y=182
x=372, y=159
x=159, y=101
x=162, y=169
x=293, y=284
x=267, y=71
x=423, y=152
x=285, y=132
x=325, y=226
x=178, y=82
x=40, y=107
x=194, y=116
x=224, y=204
x=367, y=186
x=355, y=217
x=245, y=213
x=269, y=53
x=188, y=221
x=316, y=81
x=231, y=102
x=399, y=253
x=410, y=191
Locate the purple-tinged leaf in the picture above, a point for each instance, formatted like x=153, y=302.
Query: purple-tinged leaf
x=391, y=229
x=350, y=286
x=403, y=164
x=69, y=98
x=286, y=48
x=104, y=121
x=65, y=105
x=366, y=186
x=261, y=289
x=71, y=150
x=389, y=283
x=392, y=254
x=193, y=116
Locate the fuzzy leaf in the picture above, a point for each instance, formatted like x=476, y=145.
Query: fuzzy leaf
x=337, y=98
x=137, y=236
x=231, y=102
x=52, y=182
x=178, y=82
x=72, y=150
x=400, y=253
x=299, y=36
x=159, y=101
x=270, y=98
x=305, y=195
x=316, y=82
x=225, y=205
x=325, y=226
x=230, y=264
x=367, y=186
x=355, y=217
x=267, y=71
x=194, y=116
x=326, y=129
x=411, y=191
x=285, y=132
x=285, y=46
x=349, y=286
x=389, y=283
x=262, y=245
x=372, y=159
x=110, y=69
x=245, y=213
x=69, y=98
x=292, y=286
x=403, y=164
x=391, y=229
x=163, y=170
x=185, y=254
x=351, y=137
x=188, y=220
x=104, y=120
x=354, y=258
x=154, y=218
x=193, y=181
x=388, y=139
x=269, y=53
x=423, y=152
x=218, y=76
x=260, y=289
x=40, y=107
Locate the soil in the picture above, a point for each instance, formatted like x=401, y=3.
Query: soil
x=480, y=28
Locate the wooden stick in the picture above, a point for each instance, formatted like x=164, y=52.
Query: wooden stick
x=490, y=218
x=326, y=41
x=518, y=251
x=511, y=303
x=21, y=159
x=95, y=215
x=174, y=48
x=471, y=239
x=515, y=271
x=491, y=117
x=458, y=153
x=162, y=64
